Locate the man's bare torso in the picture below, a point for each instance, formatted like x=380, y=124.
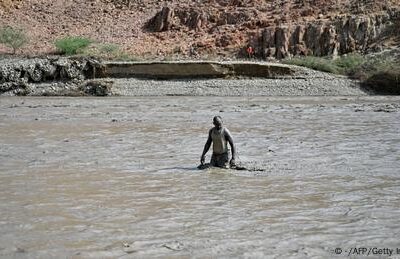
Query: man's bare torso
x=219, y=141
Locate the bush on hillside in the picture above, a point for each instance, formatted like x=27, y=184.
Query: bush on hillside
x=13, y=38
x=72, y=45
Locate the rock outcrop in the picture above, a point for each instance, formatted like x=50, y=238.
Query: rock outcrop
x=196, y=19
x=19, y=74
x=162, y=21
x=322, y=38
x=169, y=18
x=46, y=69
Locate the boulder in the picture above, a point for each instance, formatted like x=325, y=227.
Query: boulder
x=97, y=87
x=162, y=21
x=168, y=19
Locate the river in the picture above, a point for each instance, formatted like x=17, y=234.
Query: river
x=116, y=177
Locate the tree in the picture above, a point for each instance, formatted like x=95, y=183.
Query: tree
x=13, y=38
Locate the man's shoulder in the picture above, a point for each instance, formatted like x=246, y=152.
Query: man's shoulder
x=226, y=131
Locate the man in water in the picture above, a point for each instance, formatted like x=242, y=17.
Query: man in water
x=219, y=136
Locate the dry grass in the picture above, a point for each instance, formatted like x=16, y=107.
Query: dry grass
x=346, y=65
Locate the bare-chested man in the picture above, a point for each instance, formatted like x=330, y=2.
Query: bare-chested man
x=219, y=136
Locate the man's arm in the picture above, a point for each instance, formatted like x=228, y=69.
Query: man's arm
x=206, y=148
x=229, y=138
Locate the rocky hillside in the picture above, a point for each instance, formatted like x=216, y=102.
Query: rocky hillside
x=210, y=28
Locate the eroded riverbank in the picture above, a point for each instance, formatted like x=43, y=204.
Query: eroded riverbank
x=116, y=177
x=60, y=76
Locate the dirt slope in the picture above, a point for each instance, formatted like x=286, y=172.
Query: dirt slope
x=196, y=28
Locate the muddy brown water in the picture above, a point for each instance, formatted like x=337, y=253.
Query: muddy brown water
x=117, y=177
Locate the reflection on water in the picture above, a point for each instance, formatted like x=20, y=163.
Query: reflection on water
x=117, y=177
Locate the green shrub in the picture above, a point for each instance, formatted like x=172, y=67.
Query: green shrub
x=346, y=65
x=13, y=38
x=349, y=64
x=72, y=45
x=316, y=63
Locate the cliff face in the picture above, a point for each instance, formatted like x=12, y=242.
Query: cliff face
x=322, y=38
x=209, y=28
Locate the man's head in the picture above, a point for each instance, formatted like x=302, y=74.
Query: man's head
x=217, y=121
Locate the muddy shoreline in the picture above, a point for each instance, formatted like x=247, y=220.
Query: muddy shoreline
x=60, y=76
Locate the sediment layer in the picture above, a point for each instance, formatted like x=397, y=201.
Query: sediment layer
x=179, y=70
